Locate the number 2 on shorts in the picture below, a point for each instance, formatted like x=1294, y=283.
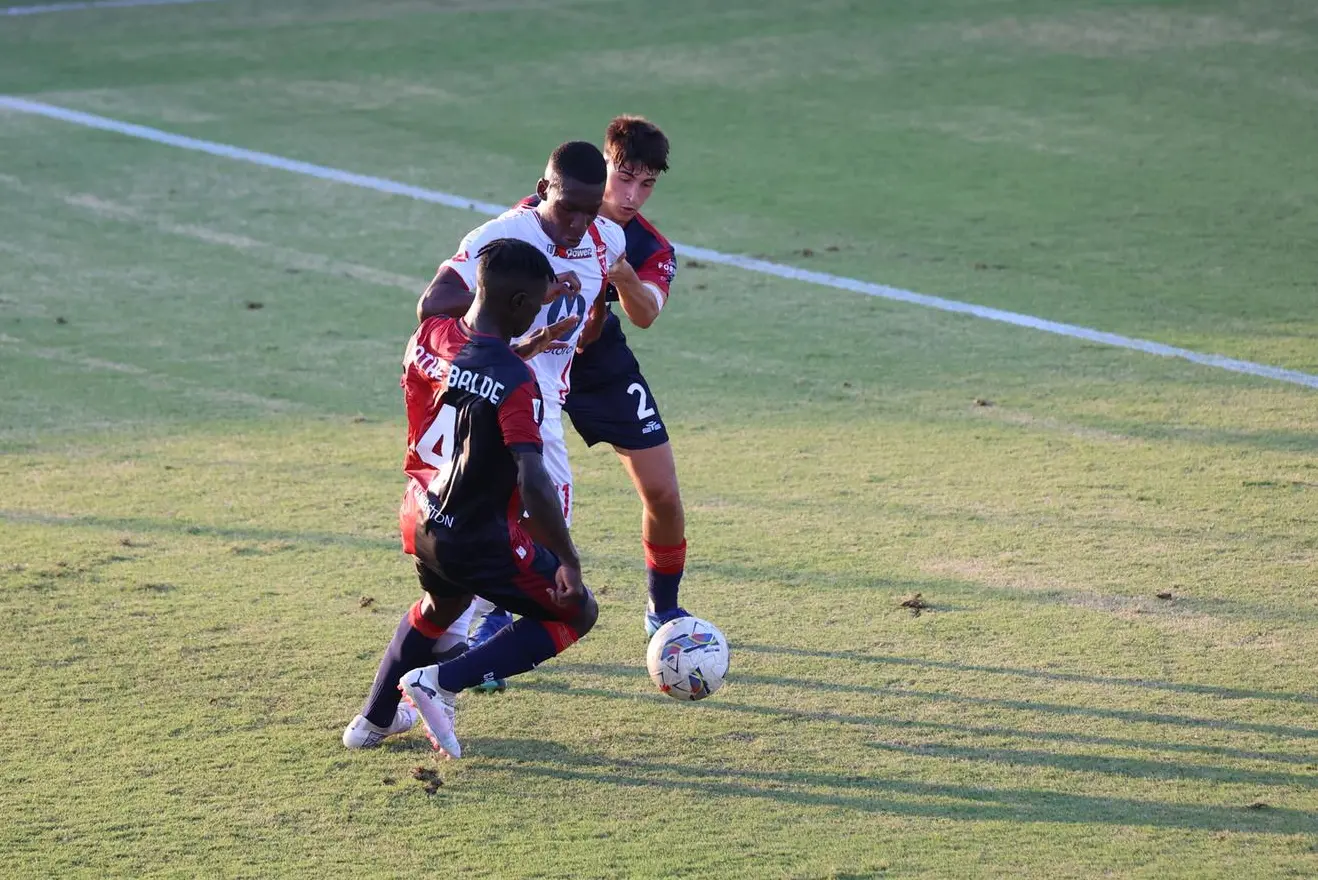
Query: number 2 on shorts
x=643, y=408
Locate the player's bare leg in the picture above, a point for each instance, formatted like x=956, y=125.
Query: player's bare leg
x=663, y=528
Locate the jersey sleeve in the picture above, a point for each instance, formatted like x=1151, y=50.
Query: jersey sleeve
x=464, y=261
x=520, y=414
x=659, y=269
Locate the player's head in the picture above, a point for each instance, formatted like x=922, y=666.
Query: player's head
x=637, y=153
x=512, y=278
x=571, y=192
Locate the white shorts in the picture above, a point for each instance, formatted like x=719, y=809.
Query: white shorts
x=556, y=463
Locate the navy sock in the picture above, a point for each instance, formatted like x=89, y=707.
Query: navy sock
x=664, y=566
x=412, y=646
x=517, y=648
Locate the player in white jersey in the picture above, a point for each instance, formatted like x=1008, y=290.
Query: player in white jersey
x=581, y=246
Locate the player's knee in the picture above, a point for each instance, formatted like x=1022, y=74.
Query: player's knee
x=441, y=612
x=663, y=499
x=656, y=481
x=586, y=615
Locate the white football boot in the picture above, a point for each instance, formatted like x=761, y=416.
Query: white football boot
x=362, y=734
x=421, y=688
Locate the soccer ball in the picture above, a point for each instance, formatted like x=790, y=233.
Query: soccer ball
x=688, y=658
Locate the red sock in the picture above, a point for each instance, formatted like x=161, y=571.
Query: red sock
x=664, y=565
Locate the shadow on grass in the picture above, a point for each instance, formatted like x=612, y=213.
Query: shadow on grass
x=1137, y=767
x=146, y=526
x=872, y=794
x=1125, y=715
x=1105, y=680
x=1083, y=763
x=972, y=595
x=1270, y=439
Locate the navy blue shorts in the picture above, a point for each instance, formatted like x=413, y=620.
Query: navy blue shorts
x=622, y=412
x=518, y=577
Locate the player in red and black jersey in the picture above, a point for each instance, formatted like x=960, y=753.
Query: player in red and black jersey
x=474, y=465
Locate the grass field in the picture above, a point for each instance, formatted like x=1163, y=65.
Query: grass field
x=200, y=438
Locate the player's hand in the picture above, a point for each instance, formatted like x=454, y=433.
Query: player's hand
x=570, y=587
x=564, y=282
x=541, y=339
x=622, y=272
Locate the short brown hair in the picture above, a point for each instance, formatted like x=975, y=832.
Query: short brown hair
x=635, y=140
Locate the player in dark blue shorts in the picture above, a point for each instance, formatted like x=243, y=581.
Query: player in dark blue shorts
x=610, y=401
x=474, y=465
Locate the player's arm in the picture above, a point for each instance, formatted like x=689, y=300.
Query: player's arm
x=640, y=300
x=447, y=294
x=544, y=506
x=520, y=425
x=450, y=293
x=541, y=339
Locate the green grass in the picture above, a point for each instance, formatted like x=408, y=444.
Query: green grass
x=198, y=493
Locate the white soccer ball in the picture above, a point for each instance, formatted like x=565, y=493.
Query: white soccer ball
x=688, y=658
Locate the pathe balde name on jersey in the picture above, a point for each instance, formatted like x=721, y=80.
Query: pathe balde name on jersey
x=459, y=379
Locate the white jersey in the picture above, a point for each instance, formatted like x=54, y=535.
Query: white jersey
x=603, y=243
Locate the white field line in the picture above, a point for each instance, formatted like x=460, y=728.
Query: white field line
x=750, y=264
x=92, y=4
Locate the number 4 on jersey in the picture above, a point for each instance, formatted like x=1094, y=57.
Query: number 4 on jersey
x=435, y=447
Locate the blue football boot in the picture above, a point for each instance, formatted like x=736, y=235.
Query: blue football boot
x=655, y=619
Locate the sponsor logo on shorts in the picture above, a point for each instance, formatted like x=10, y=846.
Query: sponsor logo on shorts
x=652, y=426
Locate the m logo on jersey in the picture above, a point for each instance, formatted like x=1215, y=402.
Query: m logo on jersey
x=566, y=306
